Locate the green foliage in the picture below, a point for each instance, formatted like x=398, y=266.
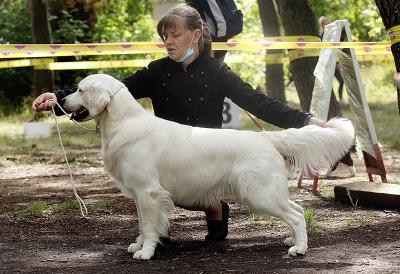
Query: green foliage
x=69, y=30
x=363, y=15
x=15, y=22
x=252, y=72
x=14, y=28
x=124, y=21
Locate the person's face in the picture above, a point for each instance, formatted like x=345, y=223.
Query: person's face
x=177, y=40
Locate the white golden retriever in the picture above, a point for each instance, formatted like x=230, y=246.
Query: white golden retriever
x=160, y=163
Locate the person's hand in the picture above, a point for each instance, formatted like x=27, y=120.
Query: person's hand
x=317, y=122
x=43, y=102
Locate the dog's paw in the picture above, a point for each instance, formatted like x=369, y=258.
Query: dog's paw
x=143, y=255
x=134, y=247
x=297, y=250
x=137, y=245
x=289, y=241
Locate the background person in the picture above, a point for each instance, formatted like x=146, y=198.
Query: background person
x=189, y=87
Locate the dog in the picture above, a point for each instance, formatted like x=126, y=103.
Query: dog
x=160, y=163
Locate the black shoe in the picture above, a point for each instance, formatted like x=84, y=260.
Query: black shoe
x=218, y=230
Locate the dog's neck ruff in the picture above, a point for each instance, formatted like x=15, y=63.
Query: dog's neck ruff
x=101, y=113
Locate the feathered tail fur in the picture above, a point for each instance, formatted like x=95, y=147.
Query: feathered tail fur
x=312, y=148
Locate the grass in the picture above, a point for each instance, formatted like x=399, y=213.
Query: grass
x=358, y=221
x=38, y=208
x=309, y=217
x=72, y=206
x=65, y=208
x=353, y=203
x=255, y=217
x=34, y=209
x=15, y=144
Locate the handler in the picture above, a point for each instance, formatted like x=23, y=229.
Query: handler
x=189, y=87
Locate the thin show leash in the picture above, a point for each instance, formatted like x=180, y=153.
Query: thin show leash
x=82, y=206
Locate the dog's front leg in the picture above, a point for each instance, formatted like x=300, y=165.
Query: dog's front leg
x=154, y=208
x=140, y=239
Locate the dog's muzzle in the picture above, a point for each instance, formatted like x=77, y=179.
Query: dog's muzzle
x=80, y=115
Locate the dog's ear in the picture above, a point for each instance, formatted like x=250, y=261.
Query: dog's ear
x=98, y=99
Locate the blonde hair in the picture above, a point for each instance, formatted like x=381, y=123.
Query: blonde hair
x=189, y=18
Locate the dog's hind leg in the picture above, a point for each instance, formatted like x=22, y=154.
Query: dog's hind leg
x=290, y=241
x=154, y=207
x=272, y=199
x=140, y=239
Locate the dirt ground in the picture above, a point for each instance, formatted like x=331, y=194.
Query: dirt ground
x=346, y=239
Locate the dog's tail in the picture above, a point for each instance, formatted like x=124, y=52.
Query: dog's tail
x=312, y=148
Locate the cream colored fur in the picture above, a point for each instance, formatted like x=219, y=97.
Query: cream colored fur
x=159, y=163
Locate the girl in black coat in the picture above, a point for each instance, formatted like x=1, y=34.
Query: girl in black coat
x=189, y=87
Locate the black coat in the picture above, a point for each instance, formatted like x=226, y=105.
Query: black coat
x=195, y=97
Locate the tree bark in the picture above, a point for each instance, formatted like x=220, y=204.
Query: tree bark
x=43, y=80
x=299, y=19
x=273, y=72
x=390, y=13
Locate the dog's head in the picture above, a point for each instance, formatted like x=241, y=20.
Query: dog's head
x=93, y=95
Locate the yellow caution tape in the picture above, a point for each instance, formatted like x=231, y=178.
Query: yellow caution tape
x=53, y=50
x=268, y=59
x=25, y=62
x=394, y=34
x=304, y=46
x=305, y=38
x=93, y=64
x=300, y=53
x=48, y=64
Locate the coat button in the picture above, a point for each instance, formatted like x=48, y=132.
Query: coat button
x=191, y=76
x=187, y=118
x=201, y=99
x=168, y=75
x=164, y=84
x=202, y=73
x=166, y=98
x=205, y=86
x=190, y=99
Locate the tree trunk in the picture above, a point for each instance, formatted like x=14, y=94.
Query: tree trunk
x=273, y=72
x=390, y=13
x=299, y=19
x=43, y=80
